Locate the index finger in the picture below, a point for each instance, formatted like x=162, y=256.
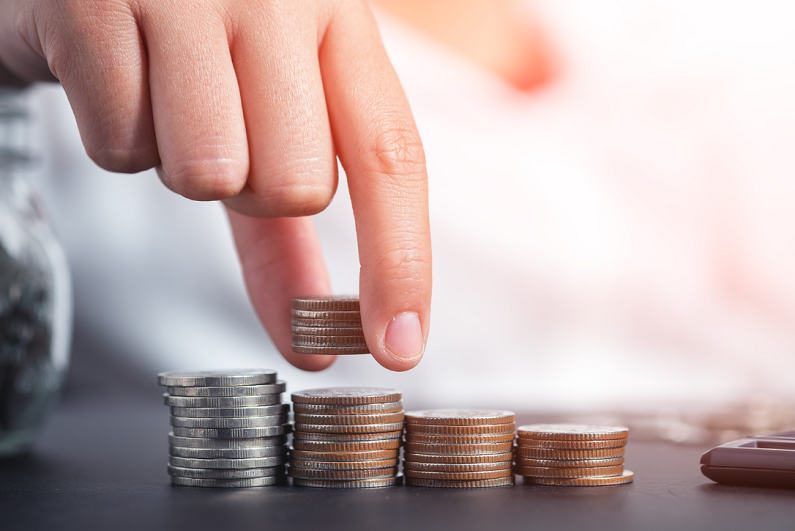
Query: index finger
x=380, y=148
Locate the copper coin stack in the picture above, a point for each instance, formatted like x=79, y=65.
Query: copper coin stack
x=327, y=325
x=573, y=455
x=459, y=448
x=346, y=437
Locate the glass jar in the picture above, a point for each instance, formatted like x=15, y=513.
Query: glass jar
x=35, y=291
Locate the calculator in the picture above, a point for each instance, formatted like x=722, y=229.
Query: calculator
x=755, y=461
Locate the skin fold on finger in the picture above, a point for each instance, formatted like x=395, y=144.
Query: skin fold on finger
x=380, y=148
x=281, y=259
x=201, y=134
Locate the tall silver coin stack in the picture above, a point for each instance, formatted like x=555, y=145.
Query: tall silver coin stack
x=346, y=438
x=229, y=428
x=327, y=325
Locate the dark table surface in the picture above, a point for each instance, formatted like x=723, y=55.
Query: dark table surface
x=100, y=464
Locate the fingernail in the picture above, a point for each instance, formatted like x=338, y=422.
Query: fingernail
x=403, y=337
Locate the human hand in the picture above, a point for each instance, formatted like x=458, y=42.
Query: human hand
x=249, y=102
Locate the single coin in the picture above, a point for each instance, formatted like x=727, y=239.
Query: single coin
x=357, y=484
x=418, y=458
x=433, y=429
x=366, y=446
x=549, y=472
x=227, y=422
x=221, y=473
x=364, y=409
x=322, y=302
x=349, y=428
x=316, y=331
x=556, y=453
x=232, y=433
x=461, y=484
x=458, y=449
x=272, y=390
x=226, y=378
x=389, y=418
x=327, y=323
x=463, y=439
x=458, y=476
x=443, y=467
x=218, y=401
x=377, y=455
x=253, y=462
x=211, y=443
x=460, y=417
x=571, y=445
x=347, y=437
x=624, y=478
x=214, y=412
x=366, y=473
x=227, y=453
x=569, y=463
x=347, y=396
x=328, y=341
x=331, y=350
x=229, y=483
x=343, y=465
x=572, y=432
x=326, y=314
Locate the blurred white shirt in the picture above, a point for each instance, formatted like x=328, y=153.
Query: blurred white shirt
x=623, y=237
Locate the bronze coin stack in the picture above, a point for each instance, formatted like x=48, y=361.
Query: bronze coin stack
x=327, y=325
x=459, y=448
x=347, y=437
x=573, y=455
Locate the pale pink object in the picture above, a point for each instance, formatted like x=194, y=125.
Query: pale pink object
x=404, y=336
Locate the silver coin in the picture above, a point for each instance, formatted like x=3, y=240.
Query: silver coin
x=327, y=341
x=221, y=473
x=232, y=433
x=332, y=315
x=224, y=378
x=347, y=396
x=365, y=409
x=338, y=420
x=327, y=302
x=219, y=401
x=355, y=484
x=229, y=483
x=344, y=465
x=252, y=462
x=229, y=422
x=349, y=428
x=347, y=437
x=227, y=453
x=237, y=412
x=327, y=331
x=327, y=323
x=213, y=444
x=342, y=475
x=272, y=390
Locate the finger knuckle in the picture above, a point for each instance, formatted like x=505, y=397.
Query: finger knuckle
x=122, y=152
x=206, y=179
x=299, y=188
x=397, y=153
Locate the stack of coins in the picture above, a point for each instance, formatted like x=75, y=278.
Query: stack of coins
x=229, y=428
x=572, y=455
x=346, y=438
x=327, y=325
x=459, y=448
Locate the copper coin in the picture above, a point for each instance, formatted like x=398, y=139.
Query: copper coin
x=590, y=472
x=347, y=396
x=356, y=484
x=328, y=331
x=348, y=428
x=364, y=409
x=458, y=459
x=460, y=417
x=344, y=465
x=344, y=456
x=557, y=453
x=347, y=437
x=434, y=429
x=326, y=323
x=330, y=315
x=464, y=439
x=327, y=302
x=626, y=477
x=571, y=445
x=461, y=484
x=572, y=432
x=442, y=467
x=328, y=341
x=458, y=449
x=366, y=446
x=458, y=476
x=338, y=420
x=366, y=473
x=331, y=350
x=569, y=463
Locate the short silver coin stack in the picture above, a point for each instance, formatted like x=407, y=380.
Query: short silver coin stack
x=229, y=428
